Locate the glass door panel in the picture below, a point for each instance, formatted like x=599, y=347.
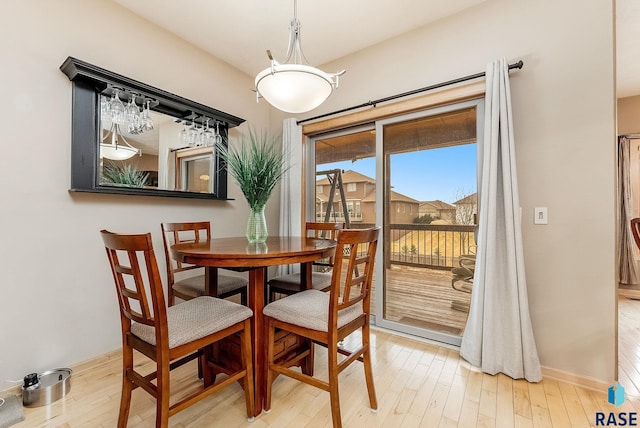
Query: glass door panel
x=428, y=206
x=195, y=169
x=344, y=183
x=197, y=175
x=414, y=176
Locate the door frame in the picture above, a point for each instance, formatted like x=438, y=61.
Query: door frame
x=451, y=99
x=379, y=320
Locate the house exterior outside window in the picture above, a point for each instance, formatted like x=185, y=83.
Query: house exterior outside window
x=355, y=213
x=467, y=209
x=361, y=202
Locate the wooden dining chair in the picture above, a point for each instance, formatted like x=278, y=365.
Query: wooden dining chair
x=327, y=318
x=170, y=336
x=320, y=277
x=194, y=286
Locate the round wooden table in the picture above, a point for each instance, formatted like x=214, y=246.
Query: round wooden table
x=237, y=254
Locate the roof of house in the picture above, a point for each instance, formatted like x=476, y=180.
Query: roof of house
x=438, y=204
x=348, y=176
x=440, y=222
x=395, y=197
x=351, y=176
x=472, y=199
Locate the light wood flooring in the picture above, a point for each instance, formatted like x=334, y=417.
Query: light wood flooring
x=418, y=385
x=629, y=345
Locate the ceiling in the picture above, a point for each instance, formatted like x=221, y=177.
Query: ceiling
x=240, y=32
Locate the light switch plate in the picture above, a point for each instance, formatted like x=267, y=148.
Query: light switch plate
x=540, y=215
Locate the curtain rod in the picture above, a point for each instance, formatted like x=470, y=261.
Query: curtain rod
x=373, y=103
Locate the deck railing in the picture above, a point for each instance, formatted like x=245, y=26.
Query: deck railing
x=338, y=216
x=433, y=246
x=427, y=246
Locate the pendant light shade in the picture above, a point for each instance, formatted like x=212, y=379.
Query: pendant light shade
x=117, y=148
x=295, y=86
x=110, y=151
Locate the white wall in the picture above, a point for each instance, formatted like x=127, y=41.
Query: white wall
x=57, y=299
x=563, y=105
x=58, y=306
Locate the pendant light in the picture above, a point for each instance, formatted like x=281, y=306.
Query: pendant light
x=294, y=86
x=117, y=148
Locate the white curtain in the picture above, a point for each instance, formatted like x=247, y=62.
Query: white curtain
x=291, y=185
x=498, y=337
x=627, y=265
x=166, y=168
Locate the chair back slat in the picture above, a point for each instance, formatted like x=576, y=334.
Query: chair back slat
x=177, y=233
x=351, y=284
x=124, y=269
x=132, y=280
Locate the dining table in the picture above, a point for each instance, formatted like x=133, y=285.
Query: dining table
x=236, y=253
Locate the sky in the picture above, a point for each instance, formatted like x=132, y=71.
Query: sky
x=447, y=174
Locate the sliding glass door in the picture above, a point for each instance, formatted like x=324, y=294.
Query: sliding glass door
x=415, y=176
x=428, y=201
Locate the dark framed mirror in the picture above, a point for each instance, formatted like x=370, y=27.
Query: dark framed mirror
x=131, y=138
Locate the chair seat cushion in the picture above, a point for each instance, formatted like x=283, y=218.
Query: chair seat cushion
x=310, y=309
x=195, y=319
x=194, y=286
x=319, y=281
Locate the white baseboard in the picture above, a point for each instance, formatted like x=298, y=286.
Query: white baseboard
x=581, y=381
x=76, y=369
x=547, y=373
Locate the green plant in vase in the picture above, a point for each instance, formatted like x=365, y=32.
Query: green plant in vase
x=256, y=165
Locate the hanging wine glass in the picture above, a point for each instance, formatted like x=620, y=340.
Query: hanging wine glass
x=132, y=115
x=207, y=135
x=131, y=112
x=104, y=107
x=218, y=137
x=187, y=134
x=202, y=138
x=131, y=129
x=116, y=109
x=193, y=134
x=184, y=134
x=147, y=122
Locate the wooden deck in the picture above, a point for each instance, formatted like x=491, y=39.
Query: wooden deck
x=422, y=297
